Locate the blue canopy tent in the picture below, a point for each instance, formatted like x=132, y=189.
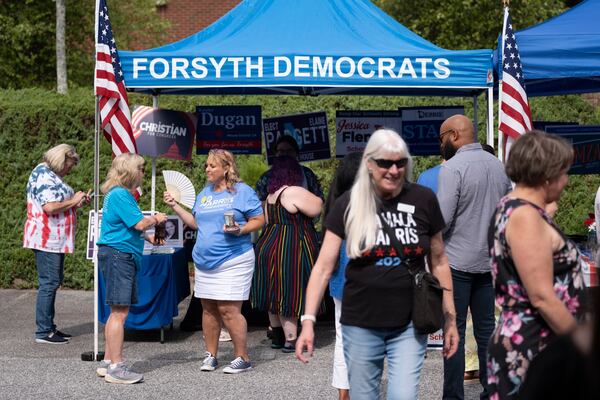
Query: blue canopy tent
x=562, y=55
x=309, y=47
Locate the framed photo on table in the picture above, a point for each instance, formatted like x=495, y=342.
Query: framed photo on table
x=173, y=226
x=174, y=229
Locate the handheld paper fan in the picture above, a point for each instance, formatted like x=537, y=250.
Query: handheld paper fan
x=180, y=187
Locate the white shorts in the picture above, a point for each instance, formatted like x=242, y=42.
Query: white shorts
x=230, y=281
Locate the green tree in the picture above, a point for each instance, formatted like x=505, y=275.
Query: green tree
x=27, y=27
x=467, y=24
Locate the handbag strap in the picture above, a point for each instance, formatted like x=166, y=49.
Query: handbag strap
x=396, y=244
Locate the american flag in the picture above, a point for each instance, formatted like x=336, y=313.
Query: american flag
x=515, y=115
x=110, y=87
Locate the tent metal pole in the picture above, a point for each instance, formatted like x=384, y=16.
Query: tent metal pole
x=153, y=201
x=490, y=122
x=475, y=119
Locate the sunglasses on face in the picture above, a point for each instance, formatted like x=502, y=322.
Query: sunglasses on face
x=387, y=164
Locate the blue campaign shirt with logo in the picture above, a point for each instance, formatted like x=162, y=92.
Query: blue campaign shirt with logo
x=213, y=246
x=120, y=213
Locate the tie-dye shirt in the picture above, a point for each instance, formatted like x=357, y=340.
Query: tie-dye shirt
x=54, y=233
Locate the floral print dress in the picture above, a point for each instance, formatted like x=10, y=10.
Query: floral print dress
x=521, y=333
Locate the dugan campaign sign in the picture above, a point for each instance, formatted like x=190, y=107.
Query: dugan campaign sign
x=233, y=128
x=163, y=133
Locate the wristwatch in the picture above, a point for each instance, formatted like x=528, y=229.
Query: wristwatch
x=308, y=317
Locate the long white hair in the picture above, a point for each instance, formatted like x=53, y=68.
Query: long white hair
x=361, y=214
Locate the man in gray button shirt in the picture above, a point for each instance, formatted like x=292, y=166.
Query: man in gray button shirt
x=471, y=183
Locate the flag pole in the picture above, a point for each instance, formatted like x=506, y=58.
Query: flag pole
x=95, y=355
x=96, y=222
x=500, y=73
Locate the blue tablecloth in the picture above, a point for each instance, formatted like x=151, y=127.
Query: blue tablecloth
x=162, y=282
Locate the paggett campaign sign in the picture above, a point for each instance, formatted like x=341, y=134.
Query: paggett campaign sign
x=421, y=127
x=354, y=128
x=233, y=128
x=586, y=143
x=309, y=130
x=163, y=133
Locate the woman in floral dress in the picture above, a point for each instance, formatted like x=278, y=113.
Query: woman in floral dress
x=536, y=269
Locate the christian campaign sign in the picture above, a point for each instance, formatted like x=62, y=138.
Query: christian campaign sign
x=421, y=127
x=233, y=128
x=354, y=128
x=163, y=133
x=586, y=143
x=309, y=130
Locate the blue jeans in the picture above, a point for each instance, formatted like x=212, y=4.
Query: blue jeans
x=119, y=272
x=50, y=269
x=365, y=350
x=477, y=292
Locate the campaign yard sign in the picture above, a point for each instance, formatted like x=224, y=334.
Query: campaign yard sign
x=163, y=133
x=421, y=127
x=309, y=130
x=541, y=125
x=585, y=140
x=233, y=128
x=354, y=128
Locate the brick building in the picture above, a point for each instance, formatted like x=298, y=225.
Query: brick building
x=190, y=16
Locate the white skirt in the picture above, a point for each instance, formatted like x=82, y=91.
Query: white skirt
x=230, y=281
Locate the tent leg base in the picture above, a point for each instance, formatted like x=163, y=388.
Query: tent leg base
x=89, y=356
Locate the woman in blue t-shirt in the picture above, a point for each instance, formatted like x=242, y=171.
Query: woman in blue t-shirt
x=120, y=248
x=223, y=255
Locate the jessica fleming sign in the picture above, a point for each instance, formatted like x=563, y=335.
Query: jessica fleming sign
x=354, y=128
x=309, y=130
x=233, y=128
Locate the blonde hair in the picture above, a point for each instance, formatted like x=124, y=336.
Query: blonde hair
x=123, y=172
x=361, y=215
x=57, y=157
x=227, y=162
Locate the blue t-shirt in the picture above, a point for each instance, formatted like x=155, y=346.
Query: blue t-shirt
x=338, y=278
x=120, y=212
x=213, y=246
x=429, y=178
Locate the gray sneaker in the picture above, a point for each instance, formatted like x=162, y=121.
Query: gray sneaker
x=122, y=374
x=238, y=365
x=210, y=363
x=101, y=370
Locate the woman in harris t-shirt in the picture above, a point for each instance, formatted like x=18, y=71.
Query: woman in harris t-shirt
x=377, y=298
x=223, y=255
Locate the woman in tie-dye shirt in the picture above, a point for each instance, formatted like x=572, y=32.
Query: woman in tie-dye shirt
x=50, y=232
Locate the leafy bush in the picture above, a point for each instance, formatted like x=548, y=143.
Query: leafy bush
x=33, y=120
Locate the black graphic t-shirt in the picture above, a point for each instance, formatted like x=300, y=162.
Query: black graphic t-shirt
x=378, y=291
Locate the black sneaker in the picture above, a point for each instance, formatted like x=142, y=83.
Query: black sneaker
x=52, y=339
x=62, y=334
